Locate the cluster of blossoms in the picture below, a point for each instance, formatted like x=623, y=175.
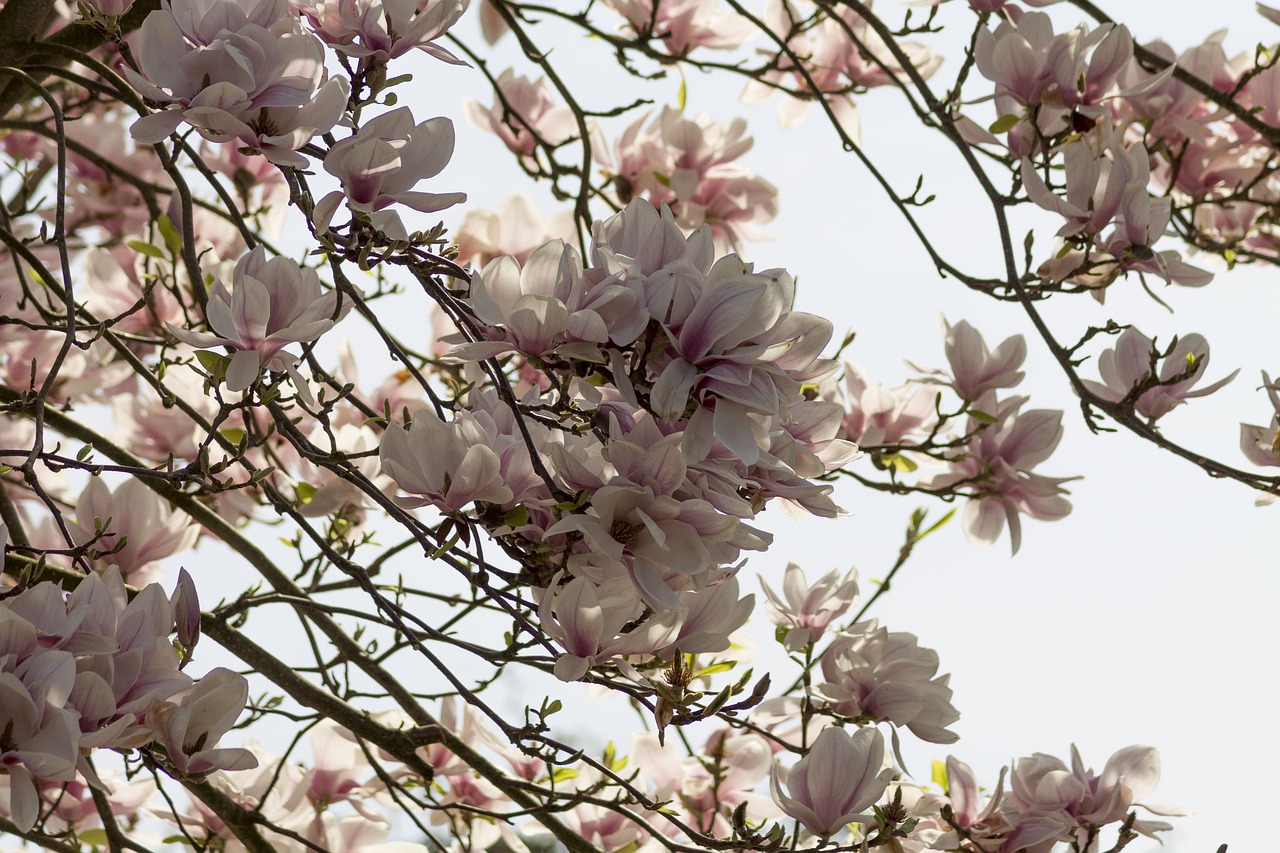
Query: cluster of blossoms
x=92, y=669
x=990, y=459
x=691, y=418
x=831, y=57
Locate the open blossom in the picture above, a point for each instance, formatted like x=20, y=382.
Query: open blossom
x=527, y=112
x=381, y=164
x=587, y=620
x=259, y=80
x=549, y=303
x=975, y=369
x=833, y=63
x=808, y=610
x=837, y=782
x=689, y=165
x=1132, y=361
x=684, y=25
x=271, y=304
x=190, y=725
x=878, y=416
x=881, y=675
x=1049, y=802
x=1262, y=444
x=448, y=465
x=382, y=30
x=997, y=465
x=139, y=527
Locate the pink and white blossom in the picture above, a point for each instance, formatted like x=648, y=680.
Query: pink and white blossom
x=837, y=781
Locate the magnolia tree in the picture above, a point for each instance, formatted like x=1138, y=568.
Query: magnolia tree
x=554, y=473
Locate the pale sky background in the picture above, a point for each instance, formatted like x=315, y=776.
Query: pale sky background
x=1146, y=615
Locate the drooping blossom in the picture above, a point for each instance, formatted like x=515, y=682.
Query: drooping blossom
x=381, y=164
x=1132, y=361
x=1261, y=445
x=836, y=783
x=875, y=674
x=996, y=467
x=271, y=304
x=808, y=610
x=525, y=114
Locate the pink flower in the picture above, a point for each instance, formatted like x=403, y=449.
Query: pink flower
x=808, y=610
x=879, y=675
x=996, y=467
x=1133, y=360
x=1260, y=444
x=684, y=25
x=381, y=164
x=514, y=228
x=256, y=79
x=448, y=465
x=836, y=782
x=527, y=112
x=272, y=303
x=974, y=368
x=139, y=527
x=189, y=725
x=587, y=620
x=384, y=29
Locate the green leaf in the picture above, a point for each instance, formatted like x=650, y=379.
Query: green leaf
x=550, y=709
x=563, y=774
x=169, y=232
x=780, y=633
x=936, y=525
x=96, y=837
x=940, y=774
x=1004, y=124
x=146, y=249
x=899, y=463
x=304, y=492
x=714, y=669
x=682, y=96
x=982, y=417
x=209, y=360
x=233, y=435
x=517, y=516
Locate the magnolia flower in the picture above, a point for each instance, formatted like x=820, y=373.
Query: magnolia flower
x=271, y=304
x=445, y=464
x=380, y=165
x=836, y=782
x=1047, y=801
x=382, y=30
x=549, y=305
x=885, y=676
x=684, y=25
x=190, y=725
x=1132, y=361
x=976, y=370
x=587, y=620
x=997, y=465
x=808, y=610
x=138, y=527
x=514, y=228
x=527, y=113
x=1262, y=444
